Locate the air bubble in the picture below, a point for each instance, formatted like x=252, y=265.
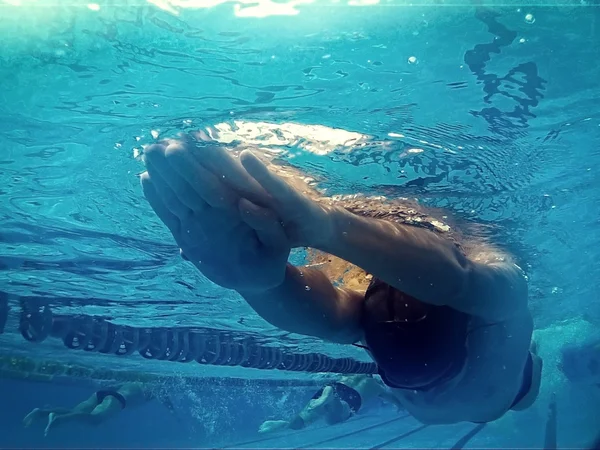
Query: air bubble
x=307, y=288
x=529, y=18
x=412, y=60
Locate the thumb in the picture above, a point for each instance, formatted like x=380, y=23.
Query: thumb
x=265, y=223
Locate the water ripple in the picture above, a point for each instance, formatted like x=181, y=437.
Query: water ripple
x=472, y=110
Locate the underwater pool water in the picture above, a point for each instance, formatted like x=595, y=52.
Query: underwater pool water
x=487, y=110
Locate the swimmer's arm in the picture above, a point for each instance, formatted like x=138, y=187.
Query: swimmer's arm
x=307, y=303
x=426, y=265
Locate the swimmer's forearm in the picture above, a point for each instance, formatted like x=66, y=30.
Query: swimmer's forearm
x=427, y=266
x=307, y=303
x=414, y=260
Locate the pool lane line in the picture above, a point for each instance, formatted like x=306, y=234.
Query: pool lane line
x=286, y=435
x=399, y=438
x=352, y=433
x=458, y=445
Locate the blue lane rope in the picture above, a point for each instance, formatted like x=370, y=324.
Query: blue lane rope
x=203, y=345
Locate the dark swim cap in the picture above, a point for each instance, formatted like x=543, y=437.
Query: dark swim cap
x=415, y=345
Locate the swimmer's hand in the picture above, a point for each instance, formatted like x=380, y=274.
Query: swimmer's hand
x=236, y=221
x=210, y=204
x=306, y=222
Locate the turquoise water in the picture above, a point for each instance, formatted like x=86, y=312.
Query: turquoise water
x=488, y=110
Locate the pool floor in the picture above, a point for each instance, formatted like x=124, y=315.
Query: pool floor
x=380, y=431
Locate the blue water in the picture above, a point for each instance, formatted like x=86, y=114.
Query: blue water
x=488, y=111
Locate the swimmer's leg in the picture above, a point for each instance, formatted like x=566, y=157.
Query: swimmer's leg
x=270, y=426
x=316, y=408
x=311, y=412
x=38, y=414
x=337, y=411
x=317, y=404
x=109, y=407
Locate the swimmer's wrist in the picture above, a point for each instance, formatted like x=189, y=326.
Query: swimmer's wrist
x=331, y=229
x=319, y=228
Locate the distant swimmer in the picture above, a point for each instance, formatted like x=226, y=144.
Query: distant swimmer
x=581, y=362
x=336, y=402
x=101, y=406
x=444, y=314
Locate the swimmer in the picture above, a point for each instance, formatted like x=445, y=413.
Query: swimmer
x=335, y=402
x=101, y=406
x=444, y=317
x=581, y=362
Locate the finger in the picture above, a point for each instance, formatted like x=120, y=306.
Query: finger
x=229, y=169
x=201, y=135
x=206, y=185
x=277, y=188
x=167, y=195
x=265, y=223
x=156, y=160
x=161, y=210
